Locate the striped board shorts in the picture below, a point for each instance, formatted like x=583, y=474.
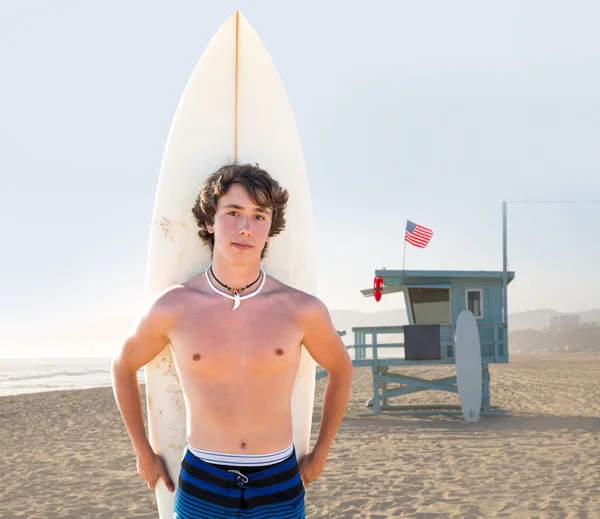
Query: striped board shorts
x=215, y=492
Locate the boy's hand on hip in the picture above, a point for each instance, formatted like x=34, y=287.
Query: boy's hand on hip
x=311, y=467
x=151, y=467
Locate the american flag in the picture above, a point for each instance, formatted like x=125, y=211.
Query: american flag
x=417, y=235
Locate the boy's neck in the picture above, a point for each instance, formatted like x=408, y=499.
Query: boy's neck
x=236, y=276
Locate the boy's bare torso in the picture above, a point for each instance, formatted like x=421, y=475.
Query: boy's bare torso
x=238, y=368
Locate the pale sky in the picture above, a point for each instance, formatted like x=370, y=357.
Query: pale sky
x=431, y=111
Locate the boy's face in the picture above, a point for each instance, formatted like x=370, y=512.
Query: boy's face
x=241, y=228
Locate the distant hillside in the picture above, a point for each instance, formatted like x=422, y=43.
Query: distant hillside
x=538, y=319
x=582, y=338
x=532, y=319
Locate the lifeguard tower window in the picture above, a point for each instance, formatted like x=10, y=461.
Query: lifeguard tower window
x=474, y=297
x=430, y=305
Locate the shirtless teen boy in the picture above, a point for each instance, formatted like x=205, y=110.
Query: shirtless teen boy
x=237, y=368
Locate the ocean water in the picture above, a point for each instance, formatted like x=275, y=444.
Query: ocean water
x=36, y=375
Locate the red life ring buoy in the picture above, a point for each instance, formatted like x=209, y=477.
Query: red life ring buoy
x=377, y=288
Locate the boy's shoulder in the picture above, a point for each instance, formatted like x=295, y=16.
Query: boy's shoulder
x=302, y=302
x=169, y=302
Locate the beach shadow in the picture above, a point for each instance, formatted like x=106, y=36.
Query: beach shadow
x=534, y=423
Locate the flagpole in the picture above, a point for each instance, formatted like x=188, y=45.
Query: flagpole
x=404, y=253
x=504, y=265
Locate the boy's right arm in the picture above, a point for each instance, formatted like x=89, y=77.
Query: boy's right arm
x=145, y=341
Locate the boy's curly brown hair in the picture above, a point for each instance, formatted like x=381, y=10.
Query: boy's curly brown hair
x=262, y=189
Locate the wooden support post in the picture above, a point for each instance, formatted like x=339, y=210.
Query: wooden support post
x=375, y=371
x=374, y=344
x=496, y=352
x=486, y=388
x=382, y=371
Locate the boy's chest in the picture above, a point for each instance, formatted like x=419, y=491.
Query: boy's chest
x=260, y=338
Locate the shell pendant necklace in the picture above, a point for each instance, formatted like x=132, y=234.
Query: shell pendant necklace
x=236, y=298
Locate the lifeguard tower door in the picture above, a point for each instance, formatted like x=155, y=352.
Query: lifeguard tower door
x=475, y=297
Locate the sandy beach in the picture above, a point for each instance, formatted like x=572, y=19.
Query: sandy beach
x=65, y=454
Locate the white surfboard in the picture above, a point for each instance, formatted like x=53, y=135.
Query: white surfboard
x=468, y=365
x=233, y=109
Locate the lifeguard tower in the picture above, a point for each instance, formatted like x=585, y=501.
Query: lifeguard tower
x=433, y=300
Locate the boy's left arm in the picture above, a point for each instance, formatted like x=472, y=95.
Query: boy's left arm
x=326, y=347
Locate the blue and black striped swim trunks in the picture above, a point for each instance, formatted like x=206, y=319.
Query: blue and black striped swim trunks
x=216, y=491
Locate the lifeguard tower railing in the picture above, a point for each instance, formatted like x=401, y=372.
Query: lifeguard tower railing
x=492, y=339
x=370, y=349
